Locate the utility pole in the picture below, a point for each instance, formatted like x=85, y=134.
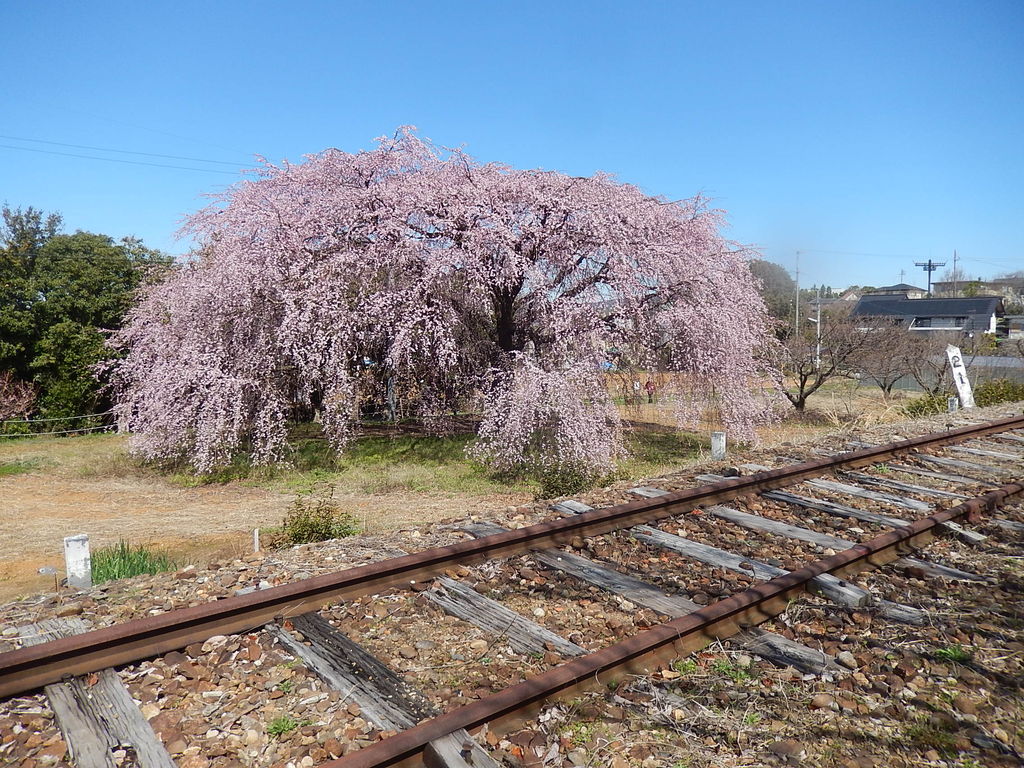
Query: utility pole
x=903, y=274
x=929, y=267
x=954, y=273
x=817, y=342
x=817, y=329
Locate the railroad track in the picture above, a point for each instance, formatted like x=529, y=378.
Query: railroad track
x=865, y=508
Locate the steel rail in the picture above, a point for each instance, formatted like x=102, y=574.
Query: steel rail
x=27, y=669
x=665, y=641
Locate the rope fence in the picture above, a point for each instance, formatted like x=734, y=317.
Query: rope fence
x=105, y=428
x=56, y=418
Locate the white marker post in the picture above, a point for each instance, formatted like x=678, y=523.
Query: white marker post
x=953, y=403
x=77, y=562
x=718, y=446
x=959, y=371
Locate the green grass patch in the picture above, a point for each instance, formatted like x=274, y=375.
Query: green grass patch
x=123, y=561
x=371, y=465
x=658, y=450
x=19, y=466
x=417, y=463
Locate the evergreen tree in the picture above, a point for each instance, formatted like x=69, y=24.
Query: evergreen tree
x=59, y=297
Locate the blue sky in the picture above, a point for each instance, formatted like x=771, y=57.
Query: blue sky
x=866, y=135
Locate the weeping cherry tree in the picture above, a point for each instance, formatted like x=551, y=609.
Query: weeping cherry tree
x=461, y=281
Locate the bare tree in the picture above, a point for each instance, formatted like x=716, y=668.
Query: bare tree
x=929, y=364
x=811, y=361
x=887, y=355
x=16, y=397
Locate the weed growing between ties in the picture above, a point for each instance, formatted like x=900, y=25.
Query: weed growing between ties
x=684, y=666
x=955, y=653
x=734, y=672
x=122, y=561
x=279, y=726
x=926, y=734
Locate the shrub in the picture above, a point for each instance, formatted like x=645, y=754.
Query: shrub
x=15, y=428
x=927, y=405
x=123, y=561
x=998, y=391
x=316, y=517
x=565, y=479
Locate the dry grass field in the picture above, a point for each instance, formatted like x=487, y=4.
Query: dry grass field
x=55, y=487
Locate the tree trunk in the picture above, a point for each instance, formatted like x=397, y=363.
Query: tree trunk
x=509, y=337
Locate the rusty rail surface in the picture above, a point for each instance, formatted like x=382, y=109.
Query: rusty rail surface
x=29, y=668
x=665, y=641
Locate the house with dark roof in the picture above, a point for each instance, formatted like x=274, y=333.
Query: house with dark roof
x=980, y=314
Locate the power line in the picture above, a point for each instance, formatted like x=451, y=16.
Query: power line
x=105, y=117
x=120, y=151
x=117, y=160
x=860, y=253
x=991, y=263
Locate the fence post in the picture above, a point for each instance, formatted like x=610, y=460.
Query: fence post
x=77, y=562
x=718, y=446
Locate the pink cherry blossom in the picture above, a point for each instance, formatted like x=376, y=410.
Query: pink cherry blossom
x=459, y=282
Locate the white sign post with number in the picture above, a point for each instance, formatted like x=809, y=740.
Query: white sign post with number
x=959, y=371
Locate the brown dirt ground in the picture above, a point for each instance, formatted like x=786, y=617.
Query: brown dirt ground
x=86, y=485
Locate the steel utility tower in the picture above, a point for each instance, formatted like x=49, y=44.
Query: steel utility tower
x=929, y=267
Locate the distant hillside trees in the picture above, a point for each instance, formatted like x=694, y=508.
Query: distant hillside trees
x=778, y=290
x=60, y=294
